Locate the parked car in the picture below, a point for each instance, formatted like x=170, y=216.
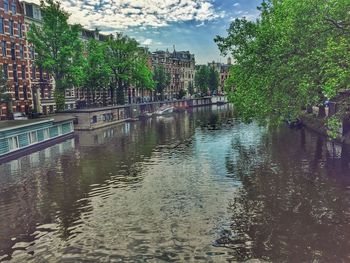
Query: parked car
x=19, y=116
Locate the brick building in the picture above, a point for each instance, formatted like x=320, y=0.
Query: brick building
x=43, y=84
x=14, y=56
x=180, y=65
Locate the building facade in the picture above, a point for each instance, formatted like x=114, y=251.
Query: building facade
x=224, y=72
x=42, y=83
x=181, y=67
x=14, y=56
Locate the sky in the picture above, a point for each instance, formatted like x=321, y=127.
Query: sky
x=165, y=24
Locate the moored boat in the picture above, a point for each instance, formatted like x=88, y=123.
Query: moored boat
x=165, y=110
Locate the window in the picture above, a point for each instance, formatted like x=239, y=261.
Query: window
x=33, y=72
x=11, y=27
x=33, y=137
x=21, y=51
x=6, y=5
x=31, y=52
x=15, y=75
x=13, y=7
x=23, y=72
x=25, y=92
x=6, y=70
x=1, y=25
x=93, y=119
x=13, y=143
x=3, y=48
x=17, y=91
x=36, y=14
x=19, y=25
x=13, y=51
x=46, y=134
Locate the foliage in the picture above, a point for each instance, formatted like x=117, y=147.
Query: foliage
x=58, y=48
x=97, y=72
x=142, y=74
x=4, y=95
x=190, y=88
x=182, y=94
x=161, y=79
x=333, y=125
x=128, y=63
x=213, y=80
x=296, y=54
x=202, y=79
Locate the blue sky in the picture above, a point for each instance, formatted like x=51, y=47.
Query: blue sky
x=161, y=24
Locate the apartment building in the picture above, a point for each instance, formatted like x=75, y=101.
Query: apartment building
x=181, y=67
x=14, y=56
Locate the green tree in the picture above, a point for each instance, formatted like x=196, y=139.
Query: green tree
x=182, y=94
x=190, y=88
x=202, y=79
x=162, y=81
x=97, y=72
x=5, y=96
x=122, y=58
x=296, y=54
x=143, y=75
x=213, y=80
x=58, y=48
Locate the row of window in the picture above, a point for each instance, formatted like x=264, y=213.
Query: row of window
x=15, y=72
x=13, y=142
x=7, y=7
x=12, y=51
x=11, y=28
x=33, y=137
x=5, y=68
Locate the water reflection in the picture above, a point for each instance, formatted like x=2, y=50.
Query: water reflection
x=293, y=205
x=158, y=190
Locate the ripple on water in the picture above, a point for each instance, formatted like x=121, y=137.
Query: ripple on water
x=174, y=190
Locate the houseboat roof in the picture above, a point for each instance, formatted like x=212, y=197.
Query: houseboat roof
x=5, y=125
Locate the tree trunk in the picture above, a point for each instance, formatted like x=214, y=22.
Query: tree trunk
x=120, y=93
x=60, y=99
x=321, y=111
x=112, y=90
x=9, y=105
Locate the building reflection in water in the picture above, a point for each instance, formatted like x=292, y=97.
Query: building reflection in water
x=293, y=204
x=47, y=191
x=162, y=179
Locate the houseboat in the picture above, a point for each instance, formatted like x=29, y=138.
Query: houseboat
x=21, y=137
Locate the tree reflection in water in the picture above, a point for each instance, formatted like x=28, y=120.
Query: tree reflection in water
x=293, y=205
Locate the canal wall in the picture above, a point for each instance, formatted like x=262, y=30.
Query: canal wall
x=94, y=118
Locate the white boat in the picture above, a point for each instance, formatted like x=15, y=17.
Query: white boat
x=165, y=110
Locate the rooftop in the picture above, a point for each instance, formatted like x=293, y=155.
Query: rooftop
x=18, y=123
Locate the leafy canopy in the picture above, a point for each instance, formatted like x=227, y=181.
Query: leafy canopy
x=161, y=79
x=58, y=48
x=296, y=54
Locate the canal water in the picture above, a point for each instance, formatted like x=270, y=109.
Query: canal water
x=198, y=186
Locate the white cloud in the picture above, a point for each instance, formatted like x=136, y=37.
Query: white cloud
x=236, y=4
x=121, y=14
x=147, y=42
